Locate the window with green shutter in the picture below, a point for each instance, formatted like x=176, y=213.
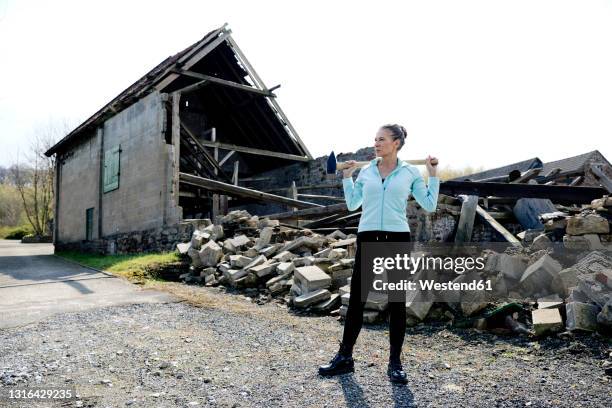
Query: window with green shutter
x=111, y=169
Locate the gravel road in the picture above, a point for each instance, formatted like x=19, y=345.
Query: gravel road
x=222, y=349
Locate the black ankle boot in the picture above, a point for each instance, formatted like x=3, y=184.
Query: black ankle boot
x=341, y=363
x=396, y=373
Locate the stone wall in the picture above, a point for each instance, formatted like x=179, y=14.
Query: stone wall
x=150, y=240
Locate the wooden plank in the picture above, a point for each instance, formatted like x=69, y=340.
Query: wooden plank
x=224, y=82
x=497, y=226
x=465, y=225
x=603, y=178
x=323, y=197
x=235, y=175
x=558, y=194
x=576, y=181
x=218, y=186
x=205, y=153
x=252, y=150
x=528, y=175
x=193, y=87
x=227, y=156
x=293, y=193
x=310, y=212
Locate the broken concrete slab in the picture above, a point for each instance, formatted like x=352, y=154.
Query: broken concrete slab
x=233, y=275
x=596, y=291
x=265, y=235
x=239, y=261
x=546, y=321
x=542, y=276
x=327, y=305
x=270, y=250
x=310, y=298
x=581, y=316
x=312, y=242
x=256, y=261
x=541, y=242
x=284, y=256
x=595, y=261
x=311, y=278
x=239, y=241
x=264, y=269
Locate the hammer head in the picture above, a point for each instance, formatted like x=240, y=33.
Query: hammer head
x=331, y=163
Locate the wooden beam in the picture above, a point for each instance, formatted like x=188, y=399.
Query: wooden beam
x=603, y=178
x=558, y=194
x=227, y=156
x=310, y=212
x=210, y=159
x=193, y=87
x=252, y=150
x=497, y=226
x=323, y=197
x=224, y=82
x=528, y=175
x=235, y=175
x=218, y=186
x=465, y=225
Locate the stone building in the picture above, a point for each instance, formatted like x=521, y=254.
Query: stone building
x=203, y=112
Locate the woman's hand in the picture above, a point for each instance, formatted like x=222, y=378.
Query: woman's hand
x=431, y=163
x=348, y=172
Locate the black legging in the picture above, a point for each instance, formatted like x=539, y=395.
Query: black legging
x=354, y=314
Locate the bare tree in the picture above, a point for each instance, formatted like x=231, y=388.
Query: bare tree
x=34, y=180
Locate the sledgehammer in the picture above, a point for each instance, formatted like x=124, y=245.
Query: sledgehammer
x=333, y=164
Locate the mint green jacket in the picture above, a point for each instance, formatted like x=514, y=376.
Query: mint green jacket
x=384, y=204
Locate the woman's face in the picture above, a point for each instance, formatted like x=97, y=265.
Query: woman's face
x=384, y=143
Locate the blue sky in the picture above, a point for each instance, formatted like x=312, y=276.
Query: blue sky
x=479, y=83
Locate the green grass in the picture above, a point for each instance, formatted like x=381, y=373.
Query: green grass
x=135, y=267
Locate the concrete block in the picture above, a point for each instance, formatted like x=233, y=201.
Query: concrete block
x=239, y=241
x=311, y=278
x=285, y=268
x=337, y=254
x=183, y=248
x=284, y=256
x=239, y=261
x=546, y=321
x=265, y=269
x=210, y=254
x=581, y=316
x=605, y=316
x=596, y=291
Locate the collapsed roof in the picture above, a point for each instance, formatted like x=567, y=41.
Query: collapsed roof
x=234, y=98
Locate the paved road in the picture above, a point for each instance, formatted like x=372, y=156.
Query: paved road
x=35, y=284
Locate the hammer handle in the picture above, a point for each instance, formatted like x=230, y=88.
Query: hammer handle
x=344, y=165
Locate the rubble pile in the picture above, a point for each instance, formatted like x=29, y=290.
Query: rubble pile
x=561, y=279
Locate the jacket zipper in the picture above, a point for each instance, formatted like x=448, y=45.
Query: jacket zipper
x=382, y=208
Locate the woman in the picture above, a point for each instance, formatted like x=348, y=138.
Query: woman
x=381, y=189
